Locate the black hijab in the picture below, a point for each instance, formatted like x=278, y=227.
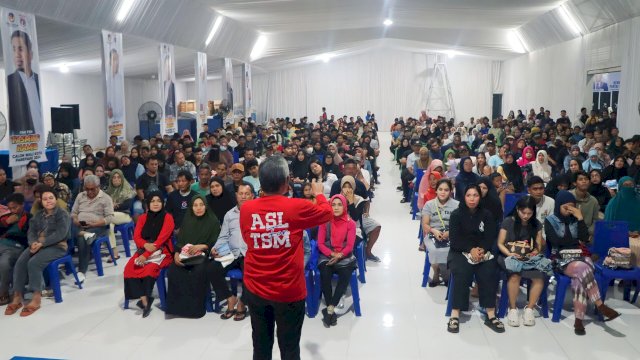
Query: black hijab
x=155, y=220
x=300, y=168
x=332, y=168
x=514, y=173
x=73, y=174
x=491, y=201
x=552, y=187
x=221, y=204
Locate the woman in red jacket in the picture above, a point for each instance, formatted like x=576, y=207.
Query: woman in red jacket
x=335, y=242
x=153, y=238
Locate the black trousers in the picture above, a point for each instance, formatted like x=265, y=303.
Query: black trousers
x=406, y=178
x=265, y=316
x=486, y=276
x=217, y=273
x=326, y=273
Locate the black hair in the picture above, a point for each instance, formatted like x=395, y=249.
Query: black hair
x=526, y=202
x=24, y=36
x=250, y=163
x=580, y=173
x=445, y=181
x=17, y=198
x=534, y=180
x=187, y=175
x=244, y=183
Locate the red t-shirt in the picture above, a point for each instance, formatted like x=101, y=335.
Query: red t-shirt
x=272, y=227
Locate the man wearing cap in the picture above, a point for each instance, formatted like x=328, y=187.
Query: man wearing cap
x=237, y=173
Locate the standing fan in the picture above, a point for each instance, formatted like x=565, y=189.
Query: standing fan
x=150, y=111
x=3, y=126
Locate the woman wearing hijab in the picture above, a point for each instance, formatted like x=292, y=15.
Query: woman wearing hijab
x=434, y=178
x=336, y=240
x=465, y=177
x=330, y=167
x=616, y=147
x=489, y=198
x=540, y=167
x=404, y=147
x=300, y=166
x=512, y=173
x=527, y=156
x=61, y=189
x=122, y=195
x=592, y=162
x=187, y=275
x=615, y=171
x=219, y=200
x=566, y=230
x=68, y=175
x=560, y=182
x=634, y=168
x=597, y=190
x=152, y=236
x=625, y=206
x=435, y=166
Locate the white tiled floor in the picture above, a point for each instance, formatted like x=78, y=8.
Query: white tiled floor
x=400, y=319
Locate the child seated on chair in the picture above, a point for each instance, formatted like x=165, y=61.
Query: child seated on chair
x=336, y=241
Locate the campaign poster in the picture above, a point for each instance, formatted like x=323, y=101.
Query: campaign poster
x=227, y=86
x=114, y=84
x=246, y=84
x=166, y=75
x=201, y=87
x=26, y=121
x=606, y=82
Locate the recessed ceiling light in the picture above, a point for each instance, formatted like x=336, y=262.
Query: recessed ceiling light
x=214, y=29
x=125, y=7
x=64, y=68
x=388, y=22
x=325, y=57
x=451, y=53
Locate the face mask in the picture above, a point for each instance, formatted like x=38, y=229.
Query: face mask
x=32, y=181
x=223, y=148
x=309, y=151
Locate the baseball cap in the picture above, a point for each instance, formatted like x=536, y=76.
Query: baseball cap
x=415, y=142
x=237, y=166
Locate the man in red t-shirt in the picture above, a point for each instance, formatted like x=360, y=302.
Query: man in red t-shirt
x=272, y=227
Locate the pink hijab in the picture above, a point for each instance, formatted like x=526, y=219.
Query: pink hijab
x=339, y=224
x=524, y=160
x=424, y=182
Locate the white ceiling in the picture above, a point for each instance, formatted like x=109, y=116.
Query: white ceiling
x=300, y=30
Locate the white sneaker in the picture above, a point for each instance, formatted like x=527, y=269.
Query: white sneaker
x=81, y=277
x=88, y=235
x=513, y=317
x=529, y=318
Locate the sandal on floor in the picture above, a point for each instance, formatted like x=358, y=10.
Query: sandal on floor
x=12, y=309
x=422, y=247
x=110, y=260
x=28, y=310
x=228, y=314
x=495, y=324
x=453, y=326
x=240, y=315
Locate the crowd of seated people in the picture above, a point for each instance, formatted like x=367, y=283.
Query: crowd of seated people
x=582, y=161
x=184, y=197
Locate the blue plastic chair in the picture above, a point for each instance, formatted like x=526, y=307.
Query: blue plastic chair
x=97, y=257
x=236, y=157
x=126, y=232
x=503, y=305
x=608, y=234
x=427, y=264
x=162, y=289
x=449, y=296
x=235, y=276
x=52, y=275
x=355, y=293
x=510, y=201
x=414, y=199
x=312, y=296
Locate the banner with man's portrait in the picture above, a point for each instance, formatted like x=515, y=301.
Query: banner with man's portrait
x=246, y=84
x=27, y=135
x=114, y=84
x=227, y=87
x=201, y=87
x=166, y=75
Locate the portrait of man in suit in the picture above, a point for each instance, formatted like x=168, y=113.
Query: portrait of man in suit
x=599, y=84
x=23, y=87
x=169, y=87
